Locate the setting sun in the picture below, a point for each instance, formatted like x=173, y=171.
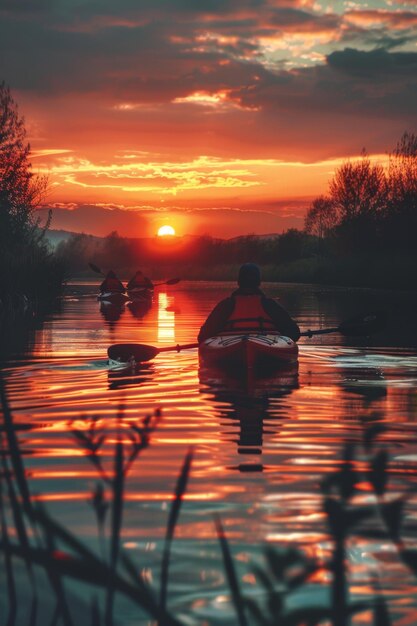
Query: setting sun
x=166, y=230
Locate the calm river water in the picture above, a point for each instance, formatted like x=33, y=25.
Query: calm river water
x=261, y=449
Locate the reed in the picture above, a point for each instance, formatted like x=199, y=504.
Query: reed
x=172, y=522
x=58, y=552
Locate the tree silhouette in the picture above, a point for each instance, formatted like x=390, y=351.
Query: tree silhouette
x=401, y=220
x=321, y=217
x=20, y=190
x=359, y=189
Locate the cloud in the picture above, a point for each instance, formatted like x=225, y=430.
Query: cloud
x=255, y=78
x=166, y=178
x=376, y=64
x=398, y=20
x=98, y=220
x=141, y=221
x=159, y=51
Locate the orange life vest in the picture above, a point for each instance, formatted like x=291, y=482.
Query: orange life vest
x=249, y=315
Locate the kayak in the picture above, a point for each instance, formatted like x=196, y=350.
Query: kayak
x=114, y=297
x=140, y=294
x=248, y=351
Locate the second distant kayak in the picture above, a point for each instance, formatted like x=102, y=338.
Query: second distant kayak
x=248, y=351
x=114, y=297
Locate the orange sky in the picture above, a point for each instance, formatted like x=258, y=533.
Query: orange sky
x=220, y=118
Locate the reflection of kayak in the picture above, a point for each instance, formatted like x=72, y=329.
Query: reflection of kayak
x=140, y=294
x=119, y=378
x=248, y=351
x=114, y=297
x=111, y=312
x=246, y=403
x=139, y=308
x=229, y=385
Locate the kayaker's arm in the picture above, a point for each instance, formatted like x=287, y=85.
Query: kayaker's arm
x=283, y=321
x=216, y=320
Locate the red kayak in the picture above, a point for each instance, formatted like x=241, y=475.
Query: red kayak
x=248, y=351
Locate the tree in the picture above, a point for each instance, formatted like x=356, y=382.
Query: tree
x=20, y=190
x=291, y=245
x=321, y=217
x=359, y=189
x=402, y=185
x=359, y=193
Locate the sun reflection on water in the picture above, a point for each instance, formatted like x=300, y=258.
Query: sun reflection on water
x=166, y=320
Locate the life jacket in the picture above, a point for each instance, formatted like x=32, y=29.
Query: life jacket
x=249, y=315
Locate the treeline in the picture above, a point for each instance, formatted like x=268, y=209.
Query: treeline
x=369, y=207
x=194, y=257
x=30, y=274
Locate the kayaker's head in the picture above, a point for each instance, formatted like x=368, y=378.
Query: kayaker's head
x=111, y=274
x=249, y=276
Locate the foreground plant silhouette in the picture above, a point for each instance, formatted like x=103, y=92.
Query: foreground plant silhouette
x=287, y=570
x=41, y=541
x=57, y=550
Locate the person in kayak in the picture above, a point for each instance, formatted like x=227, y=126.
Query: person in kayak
x=139, y=281
x=248, y=310
x=112, y=284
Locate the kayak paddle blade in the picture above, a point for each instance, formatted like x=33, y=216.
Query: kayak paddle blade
x=124, y=352
x=95, y=268
x=363, y=324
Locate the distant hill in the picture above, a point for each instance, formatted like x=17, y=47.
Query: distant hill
x=256, y=237
x=54, y=237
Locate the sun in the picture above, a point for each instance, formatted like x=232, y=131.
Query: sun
x=166, y=230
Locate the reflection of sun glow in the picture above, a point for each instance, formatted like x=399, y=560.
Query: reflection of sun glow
x=166, y=230
x=166, y=320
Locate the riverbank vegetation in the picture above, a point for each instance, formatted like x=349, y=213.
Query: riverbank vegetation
x=362, y=233
x=30, y=273
x=366, y=225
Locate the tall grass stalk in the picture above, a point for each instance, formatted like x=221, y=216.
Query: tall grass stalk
x=172, y=522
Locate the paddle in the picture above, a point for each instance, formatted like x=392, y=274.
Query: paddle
x=96, y=269
x=140, y=352
x=171, y=281
x=359, y=325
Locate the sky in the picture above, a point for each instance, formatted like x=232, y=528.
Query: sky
x=219, y=117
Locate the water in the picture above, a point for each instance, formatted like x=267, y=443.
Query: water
x=261, y=447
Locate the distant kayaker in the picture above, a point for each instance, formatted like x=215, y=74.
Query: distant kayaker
x=112, y=284
x=248, y=310
x=139, y=281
